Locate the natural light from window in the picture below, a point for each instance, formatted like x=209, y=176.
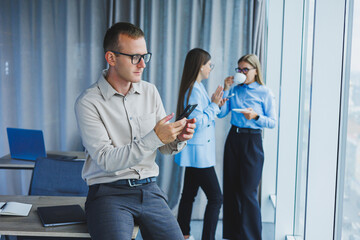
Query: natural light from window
x=350, y=228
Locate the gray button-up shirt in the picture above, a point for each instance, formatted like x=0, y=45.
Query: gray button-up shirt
x=117, y=131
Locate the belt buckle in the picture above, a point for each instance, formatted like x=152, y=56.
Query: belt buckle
x=131, y=184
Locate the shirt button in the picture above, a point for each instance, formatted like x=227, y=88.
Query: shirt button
x=130, y=118
x=124, y=99
x=208, y=125
x=209, y=140
x=134, y=138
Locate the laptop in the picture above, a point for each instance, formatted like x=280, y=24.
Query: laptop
x=61, y=215
x=28, y=144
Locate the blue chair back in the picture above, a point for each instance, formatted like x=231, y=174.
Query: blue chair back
x=58, y=177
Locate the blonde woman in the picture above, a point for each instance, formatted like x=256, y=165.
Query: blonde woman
x=252, y=109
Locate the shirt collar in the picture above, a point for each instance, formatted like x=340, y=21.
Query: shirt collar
x=108, y=91
x=251, y=85
x=136, y=88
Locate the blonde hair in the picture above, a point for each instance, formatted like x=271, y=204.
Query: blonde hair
x=253, y=60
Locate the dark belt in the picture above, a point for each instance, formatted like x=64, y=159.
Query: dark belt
x=132, y=182
x=245, y=130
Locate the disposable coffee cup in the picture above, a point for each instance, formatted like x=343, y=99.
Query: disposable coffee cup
x=239, y=78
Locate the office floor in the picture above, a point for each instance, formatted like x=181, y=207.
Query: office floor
x=196, y=229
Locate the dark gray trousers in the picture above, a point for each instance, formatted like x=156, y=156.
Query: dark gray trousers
x=112, y=211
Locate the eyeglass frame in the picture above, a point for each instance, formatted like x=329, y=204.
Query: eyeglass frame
x=243, y=70
x=212, y=65
x=133, y=55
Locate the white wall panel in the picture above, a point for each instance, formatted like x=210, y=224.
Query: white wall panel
x=289, y=113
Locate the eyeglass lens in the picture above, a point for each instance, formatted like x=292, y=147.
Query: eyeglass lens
x=242, y=70
x=137, y=58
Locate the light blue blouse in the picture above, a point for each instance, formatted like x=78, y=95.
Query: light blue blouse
x=255, y=96
x=200, y=150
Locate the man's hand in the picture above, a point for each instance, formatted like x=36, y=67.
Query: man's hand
x=188, y=131
x=167, y=132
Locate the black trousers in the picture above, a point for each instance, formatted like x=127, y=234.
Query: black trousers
x=243, y=163
x=206, y=179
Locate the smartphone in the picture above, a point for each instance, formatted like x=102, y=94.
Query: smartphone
x=187, y=111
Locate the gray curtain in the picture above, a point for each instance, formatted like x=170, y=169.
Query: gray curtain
x=52, y=50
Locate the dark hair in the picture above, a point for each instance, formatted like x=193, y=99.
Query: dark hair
x=112, y=35
x=253, y=60
x=194, y=60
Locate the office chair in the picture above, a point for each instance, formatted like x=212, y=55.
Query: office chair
x=58, y=177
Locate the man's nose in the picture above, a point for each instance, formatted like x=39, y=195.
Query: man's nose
x=142, y=63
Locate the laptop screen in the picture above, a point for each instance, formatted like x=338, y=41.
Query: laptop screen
x=27, y=144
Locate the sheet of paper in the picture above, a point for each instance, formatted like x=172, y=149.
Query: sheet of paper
x=15, y=209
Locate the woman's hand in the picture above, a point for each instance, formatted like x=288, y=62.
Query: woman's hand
x=223, y=101
x=228, y=82
x=250, y=114
x=217, y=95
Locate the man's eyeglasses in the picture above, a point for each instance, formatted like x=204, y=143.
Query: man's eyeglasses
x=136, y=58
x=212, y=66
x=243, y=70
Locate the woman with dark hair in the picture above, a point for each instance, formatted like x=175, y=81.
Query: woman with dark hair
x=252, y=109
x=199, y=155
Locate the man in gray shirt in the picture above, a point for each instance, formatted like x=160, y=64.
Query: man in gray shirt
x=122, y=123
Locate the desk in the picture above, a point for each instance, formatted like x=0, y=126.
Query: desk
x=6, y=162
x=31, y=225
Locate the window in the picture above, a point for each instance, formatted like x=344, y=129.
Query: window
x=348, y=204
x=304, y=118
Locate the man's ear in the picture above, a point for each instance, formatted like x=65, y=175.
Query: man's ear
x=110, y=58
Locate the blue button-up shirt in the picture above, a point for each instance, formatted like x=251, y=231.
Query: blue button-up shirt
x=255, y=96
